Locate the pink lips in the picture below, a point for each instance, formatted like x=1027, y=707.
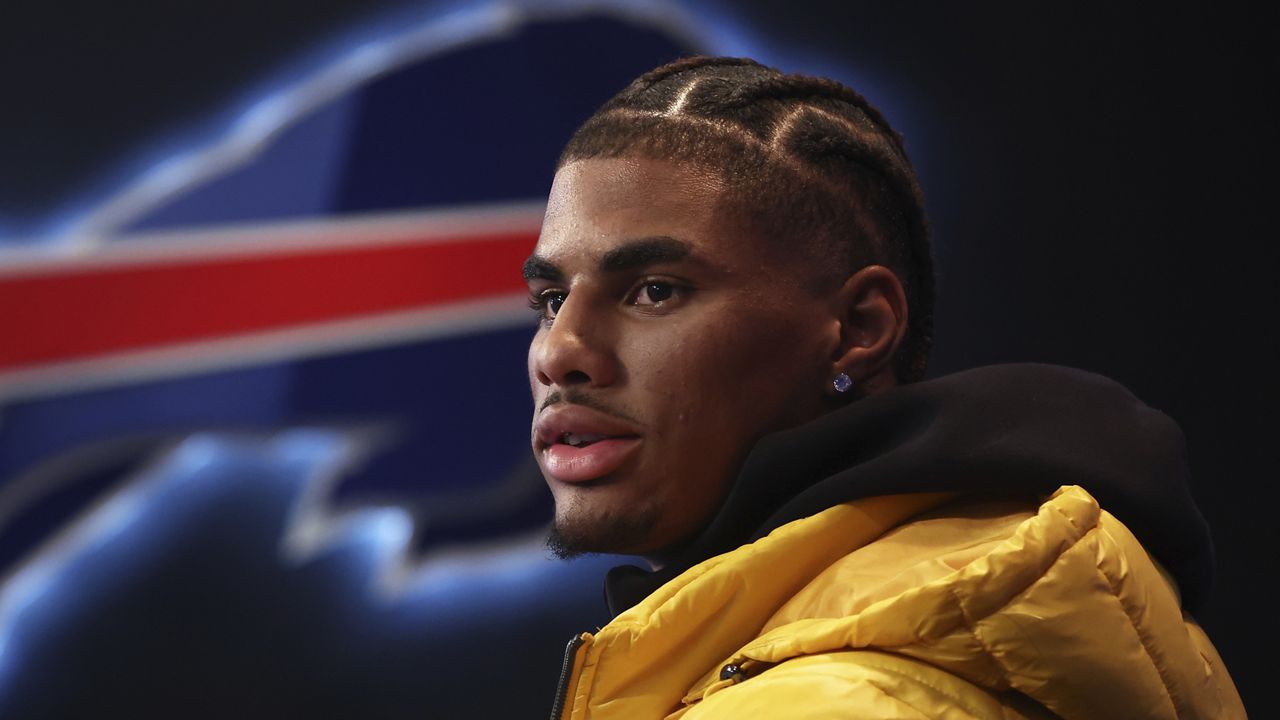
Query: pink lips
x=573, y=464
x=614, y=443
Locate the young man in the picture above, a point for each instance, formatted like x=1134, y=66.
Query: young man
x=735, y=289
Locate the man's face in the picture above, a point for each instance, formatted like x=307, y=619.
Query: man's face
x=670, y=341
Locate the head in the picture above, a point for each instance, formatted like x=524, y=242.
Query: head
x=721, y=241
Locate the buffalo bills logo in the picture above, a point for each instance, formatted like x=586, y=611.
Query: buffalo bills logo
x=257, y=398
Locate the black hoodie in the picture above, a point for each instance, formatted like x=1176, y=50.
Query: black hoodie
x=1006, y=429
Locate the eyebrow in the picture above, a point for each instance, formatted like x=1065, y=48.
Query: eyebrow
x=643, y=252
x=631, y=255
x=539, y=268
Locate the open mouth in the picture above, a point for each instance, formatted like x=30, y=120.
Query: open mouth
x=582, y=457
x=579, y=440
x=577, y=444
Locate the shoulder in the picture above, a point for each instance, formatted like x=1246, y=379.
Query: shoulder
x=953, y=609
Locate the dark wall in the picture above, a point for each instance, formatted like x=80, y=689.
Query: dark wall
x=1097, y=178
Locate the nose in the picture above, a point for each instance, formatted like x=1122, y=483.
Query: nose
x=573, y=350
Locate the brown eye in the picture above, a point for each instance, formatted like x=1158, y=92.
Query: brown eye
x=654, y=293
x=547, y=303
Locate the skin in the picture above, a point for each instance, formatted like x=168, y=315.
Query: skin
x=699, y=355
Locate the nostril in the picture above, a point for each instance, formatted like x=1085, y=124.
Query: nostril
x=575, y=377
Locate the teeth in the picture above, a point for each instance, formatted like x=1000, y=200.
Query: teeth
x=577, y=440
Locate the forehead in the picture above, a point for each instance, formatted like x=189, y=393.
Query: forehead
x=599, y=202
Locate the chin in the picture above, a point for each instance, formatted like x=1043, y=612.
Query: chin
x=580, y=530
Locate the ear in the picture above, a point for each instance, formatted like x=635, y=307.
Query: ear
x=873, y=320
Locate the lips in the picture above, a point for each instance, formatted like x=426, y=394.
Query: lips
x=577, y=444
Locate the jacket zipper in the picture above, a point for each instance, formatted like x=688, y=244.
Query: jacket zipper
x=566, y=672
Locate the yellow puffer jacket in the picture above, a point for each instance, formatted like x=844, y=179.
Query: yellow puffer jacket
x=872, y=609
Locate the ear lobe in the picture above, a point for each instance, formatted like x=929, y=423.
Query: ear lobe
x=873, y=320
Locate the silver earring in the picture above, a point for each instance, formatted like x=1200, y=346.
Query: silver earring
x=842, y=383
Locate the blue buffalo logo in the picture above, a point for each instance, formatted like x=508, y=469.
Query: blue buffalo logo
x=284, y=368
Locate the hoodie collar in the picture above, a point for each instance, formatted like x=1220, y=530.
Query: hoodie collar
x=1021, y=429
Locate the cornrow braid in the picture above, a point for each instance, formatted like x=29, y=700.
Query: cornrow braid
x=805, y=158
x=690, y=63
x=804, y=87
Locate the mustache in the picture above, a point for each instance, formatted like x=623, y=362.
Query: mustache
x=578, y=397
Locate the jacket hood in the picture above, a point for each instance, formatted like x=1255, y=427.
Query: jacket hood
x=1022, y=430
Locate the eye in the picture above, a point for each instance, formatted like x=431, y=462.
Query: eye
x=654, y=293
x=547, y=303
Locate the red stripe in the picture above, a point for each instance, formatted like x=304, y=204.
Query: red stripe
x=64, y=315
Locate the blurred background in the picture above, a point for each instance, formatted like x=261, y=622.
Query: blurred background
x=263, y=413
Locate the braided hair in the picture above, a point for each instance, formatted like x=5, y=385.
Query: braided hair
x=805, y=159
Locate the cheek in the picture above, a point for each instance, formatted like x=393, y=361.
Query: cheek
x=767, y=373
x=729, y=376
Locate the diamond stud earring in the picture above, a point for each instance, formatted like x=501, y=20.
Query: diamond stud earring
x=842, y=383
